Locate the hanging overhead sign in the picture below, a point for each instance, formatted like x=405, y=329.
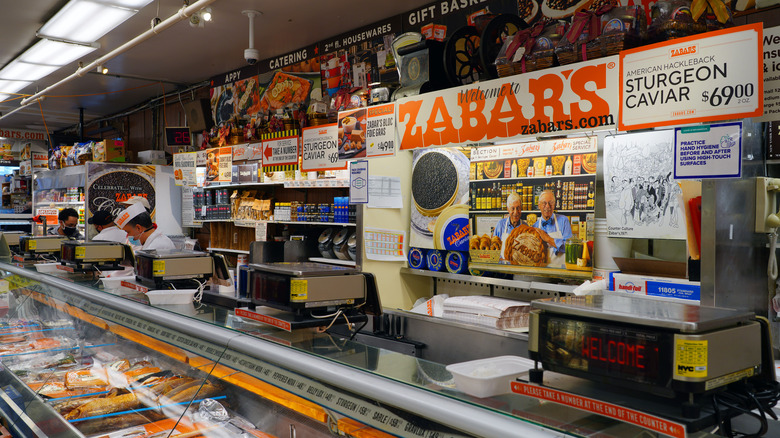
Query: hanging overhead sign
x=702, y=78
x=572, y=98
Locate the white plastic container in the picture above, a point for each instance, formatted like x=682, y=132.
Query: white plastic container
x=489, y=377
x=162, y=297
x=47, y=267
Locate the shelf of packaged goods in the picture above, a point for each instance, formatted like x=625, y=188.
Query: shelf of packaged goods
x=238, y=186
x=524, y=178
x=253, y=224
x=532, y=271
x=523, y=284
x=302, y=184
x=235, y=251
x=533, y=211
x=54, y=204
x=333, y=261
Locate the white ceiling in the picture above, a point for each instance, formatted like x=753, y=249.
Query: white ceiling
x=182, y=54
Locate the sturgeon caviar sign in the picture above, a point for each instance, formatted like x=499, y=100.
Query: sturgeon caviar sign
x=556, y=100
x=717, y=76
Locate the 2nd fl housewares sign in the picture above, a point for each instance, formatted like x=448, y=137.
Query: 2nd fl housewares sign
x=715, y=76
x=576, y=98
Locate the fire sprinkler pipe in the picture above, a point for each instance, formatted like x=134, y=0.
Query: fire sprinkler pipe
x=182, y=14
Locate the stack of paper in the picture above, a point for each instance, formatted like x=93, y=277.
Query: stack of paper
x=491, y=312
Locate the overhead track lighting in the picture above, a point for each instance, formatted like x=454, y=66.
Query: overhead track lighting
x=205, y=14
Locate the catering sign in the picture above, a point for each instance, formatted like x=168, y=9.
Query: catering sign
x=702, y=78
x=708, y=151
x=320, y=149
x=566, y=99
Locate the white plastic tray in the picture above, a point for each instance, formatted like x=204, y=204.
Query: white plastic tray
x=489, y=377
x=47, y=267
x=162, y=297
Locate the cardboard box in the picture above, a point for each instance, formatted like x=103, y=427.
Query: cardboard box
x=654, y=278
x=151, y=157
x=109, y=150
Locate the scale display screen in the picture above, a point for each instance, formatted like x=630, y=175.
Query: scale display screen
x=582, y=347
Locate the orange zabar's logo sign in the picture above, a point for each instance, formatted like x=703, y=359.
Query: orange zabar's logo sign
x=690, y=50
x=564, y=100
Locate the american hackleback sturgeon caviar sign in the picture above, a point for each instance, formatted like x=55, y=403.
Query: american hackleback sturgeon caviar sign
x=715, y=76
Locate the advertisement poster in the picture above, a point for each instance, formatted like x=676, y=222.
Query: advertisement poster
x=184, y=168
x=288, y=80
x=320, y=150
x=233, y=93
x=352, y=134
x=641, y=196
x=380, y=130
x=701, y=78
x=533, y=206
x=440, y=199
x=280, y=149
x=248, y=152
x=571, y=98
x=358, y=182
x=109, y=184
x=219, y=164
x=708, y=151
x=771, y=42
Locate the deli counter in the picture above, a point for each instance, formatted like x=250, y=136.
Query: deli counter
x=78, y=361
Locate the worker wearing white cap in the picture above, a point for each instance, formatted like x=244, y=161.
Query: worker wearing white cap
x=137, y=222
x=136, y=200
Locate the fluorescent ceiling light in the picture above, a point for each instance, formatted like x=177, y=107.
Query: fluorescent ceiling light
x=132, y=4
x=55, y=53
x=12, y=86
x=24, y=71
x=3, y=98
x=84, y=21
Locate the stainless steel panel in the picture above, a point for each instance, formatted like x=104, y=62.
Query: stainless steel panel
x=302, y=269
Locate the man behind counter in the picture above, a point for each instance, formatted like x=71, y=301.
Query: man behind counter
x=68, y=224
x=107, y=229
x=137, y=222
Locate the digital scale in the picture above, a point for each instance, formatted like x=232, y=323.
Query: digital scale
x=666, y=350
x=89, y=256
x=160, y=269
x=31, y=247
x=304, y=292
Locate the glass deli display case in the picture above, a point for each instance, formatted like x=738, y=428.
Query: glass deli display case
x=78, y=361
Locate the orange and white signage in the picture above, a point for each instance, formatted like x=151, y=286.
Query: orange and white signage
x=572, y=98
x=701, y=78
x=320, y=150
x=651, y=422
x=380, y=130
x=280, y=151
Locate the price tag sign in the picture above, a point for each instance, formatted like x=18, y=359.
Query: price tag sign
x=380, y=130
x=184, y=169
x=261, y=231
x=716, y=76
x=321, y=149
x=358, y=182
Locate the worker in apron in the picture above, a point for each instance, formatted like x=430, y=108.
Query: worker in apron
x=556, y=226
x=504, y=227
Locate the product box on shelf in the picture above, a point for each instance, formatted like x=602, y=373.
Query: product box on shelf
x=109, y=150
x=655, y=279
x=151, y=157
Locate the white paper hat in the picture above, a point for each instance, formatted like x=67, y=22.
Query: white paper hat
x=137, y=200
x=129, y=213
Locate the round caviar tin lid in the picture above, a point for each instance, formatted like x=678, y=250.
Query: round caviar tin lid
x=456, y=262
x=435, y=260
x=417, y=259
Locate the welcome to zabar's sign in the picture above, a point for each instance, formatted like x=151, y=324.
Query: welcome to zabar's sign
x=566, y=99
